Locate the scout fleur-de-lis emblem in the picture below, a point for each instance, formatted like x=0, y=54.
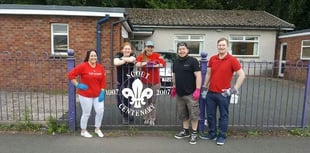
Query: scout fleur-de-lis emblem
x=137, y=94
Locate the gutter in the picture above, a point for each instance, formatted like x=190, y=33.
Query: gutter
x=142, y=27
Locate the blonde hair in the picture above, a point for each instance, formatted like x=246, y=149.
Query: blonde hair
x=144, y=57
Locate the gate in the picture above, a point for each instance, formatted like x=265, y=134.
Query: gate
x=35, y=86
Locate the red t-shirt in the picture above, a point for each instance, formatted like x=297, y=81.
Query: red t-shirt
x=153, y=73
x=222, y=71
x=94, y=78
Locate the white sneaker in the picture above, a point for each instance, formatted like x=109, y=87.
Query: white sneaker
x=86, y=134
x=99, y=133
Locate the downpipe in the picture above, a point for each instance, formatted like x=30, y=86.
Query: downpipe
x=98, y=45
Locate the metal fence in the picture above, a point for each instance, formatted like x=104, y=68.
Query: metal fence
x=34, y=86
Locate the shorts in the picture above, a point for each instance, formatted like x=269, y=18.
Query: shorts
x=187, y=108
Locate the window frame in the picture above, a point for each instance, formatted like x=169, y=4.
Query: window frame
x=244, y=40
x=302, y=49
x=189, y=38
x=138, y=45
x=53, y=34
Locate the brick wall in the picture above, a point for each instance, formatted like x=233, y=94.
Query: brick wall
x=32, y=36
x=293, y=56
x=293, y=47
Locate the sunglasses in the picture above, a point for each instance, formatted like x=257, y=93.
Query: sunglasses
x=150, y=46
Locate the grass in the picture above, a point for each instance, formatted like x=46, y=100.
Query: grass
x=53, y=126
x=26, y=126
x=302, y=132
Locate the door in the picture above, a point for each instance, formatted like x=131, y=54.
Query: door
x=282, y=61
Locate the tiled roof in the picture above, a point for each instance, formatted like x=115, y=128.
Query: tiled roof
x=206, y=18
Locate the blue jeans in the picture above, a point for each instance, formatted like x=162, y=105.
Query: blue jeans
x=214, y=101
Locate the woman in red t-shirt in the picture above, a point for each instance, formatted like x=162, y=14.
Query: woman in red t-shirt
x=91, y=90
x=150, y=63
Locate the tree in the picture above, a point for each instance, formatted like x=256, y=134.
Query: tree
x=207, y=4
x=22, y=2
x=297, y=13
x=169, y=4
x=131, y=3
x=293, y=11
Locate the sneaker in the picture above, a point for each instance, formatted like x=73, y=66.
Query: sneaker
x=193, y=139
x=182, y=135
x=220, y=141
x=99, y=133
x=86, y=134
x=207, y=136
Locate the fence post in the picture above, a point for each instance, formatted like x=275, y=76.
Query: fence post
x=202, y=104
x=306, y=97
x=71, y=91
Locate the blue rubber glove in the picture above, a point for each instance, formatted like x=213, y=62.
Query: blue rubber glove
x=82, y=86
x=101, y=96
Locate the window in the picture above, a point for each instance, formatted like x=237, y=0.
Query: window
x=305, y=50
x=244, y=45
x=138, y=45
x=59, y=39
x=195, y=43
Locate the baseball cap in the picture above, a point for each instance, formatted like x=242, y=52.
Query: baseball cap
x=149, y=43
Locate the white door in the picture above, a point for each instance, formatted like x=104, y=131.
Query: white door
x=282, y=60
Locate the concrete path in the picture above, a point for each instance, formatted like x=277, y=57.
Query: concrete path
x=22, y=143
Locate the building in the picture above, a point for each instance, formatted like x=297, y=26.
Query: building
x=53, y=30
x=293, y=48
x=252, y=34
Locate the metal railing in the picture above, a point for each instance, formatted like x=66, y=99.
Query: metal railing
x=35, y=86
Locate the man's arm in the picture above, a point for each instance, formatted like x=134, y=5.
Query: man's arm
x=240, y=79
x=173, y=80
x=207, y=78
x=198, y=79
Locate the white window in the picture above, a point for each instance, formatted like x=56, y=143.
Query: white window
x=195, y=43
x=60, y=39
x=244, y=45
x=305, y=50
